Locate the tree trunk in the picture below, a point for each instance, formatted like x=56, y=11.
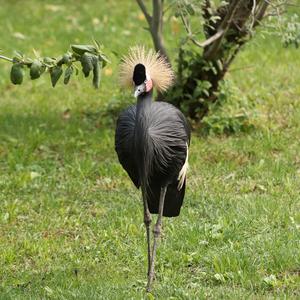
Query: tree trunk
x=211, y=65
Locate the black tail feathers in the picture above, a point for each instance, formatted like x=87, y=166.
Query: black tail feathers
x=173, y=199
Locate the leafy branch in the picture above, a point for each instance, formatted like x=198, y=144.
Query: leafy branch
x=91, y=58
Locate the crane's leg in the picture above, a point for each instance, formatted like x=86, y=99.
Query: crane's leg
x=147, y=222
x=156, y=232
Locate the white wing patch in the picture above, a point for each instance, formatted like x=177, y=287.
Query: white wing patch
x=183, y=171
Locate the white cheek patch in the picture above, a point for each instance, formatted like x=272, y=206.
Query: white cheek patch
x=147, y=76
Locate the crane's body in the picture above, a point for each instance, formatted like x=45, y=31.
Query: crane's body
x=152, y=140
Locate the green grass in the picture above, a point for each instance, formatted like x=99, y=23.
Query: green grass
x=71, y=224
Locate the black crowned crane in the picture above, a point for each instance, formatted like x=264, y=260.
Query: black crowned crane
x=152, y=140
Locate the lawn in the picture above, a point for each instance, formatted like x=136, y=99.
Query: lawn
x=71, y=222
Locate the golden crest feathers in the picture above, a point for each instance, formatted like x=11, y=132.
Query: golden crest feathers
x=156, y=66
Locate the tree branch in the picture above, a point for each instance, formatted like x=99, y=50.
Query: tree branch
x=157, y=16
x=261, y=10
x=261, y=13
x=6, y=58
x=157, y=27
x=253, y=13
x=206, y=14
x=213, y=38
x=191, y=37
x=224, y=26
x=144, y=10
x=155, y=23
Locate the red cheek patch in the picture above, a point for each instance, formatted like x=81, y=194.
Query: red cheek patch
x=149, y=85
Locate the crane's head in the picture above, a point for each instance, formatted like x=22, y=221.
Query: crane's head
x=143, y=70
x=141, y=80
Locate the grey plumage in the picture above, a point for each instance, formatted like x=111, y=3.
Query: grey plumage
x=151, y=143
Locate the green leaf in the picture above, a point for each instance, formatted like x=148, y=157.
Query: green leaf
x=104, y=58
x=55, y=74
x=16, y=73
x=49, y=61
x=19, y=55
x=87, y=63
x=190, y=9
x=81, y=49
x=27, y=61
x=97, y=66
x=219, y=64
x=68, y=73
x=97, y=44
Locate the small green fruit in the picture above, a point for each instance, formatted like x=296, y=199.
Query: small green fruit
x=16, y=73
x=66, y=58
x=36, y=69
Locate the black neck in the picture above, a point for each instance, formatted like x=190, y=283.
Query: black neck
x=143, y=101
x=145, y=97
